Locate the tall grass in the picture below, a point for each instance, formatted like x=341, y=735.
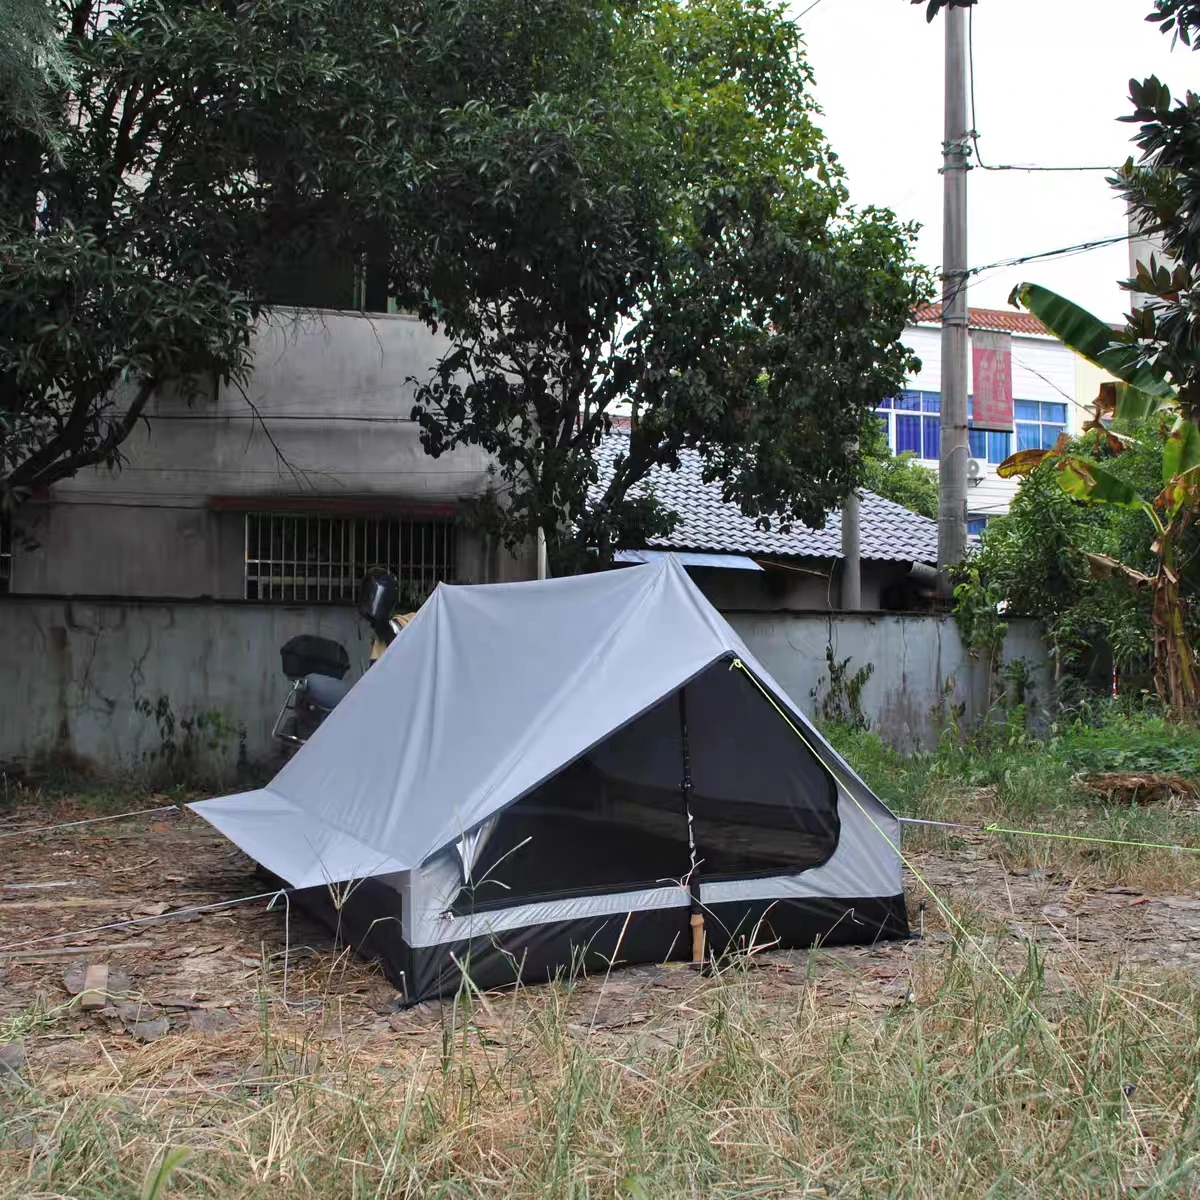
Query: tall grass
x=1007, y=776
x=1079, y=1084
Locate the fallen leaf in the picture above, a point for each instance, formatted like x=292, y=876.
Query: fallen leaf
x=150, y=1031
x=212, y=1021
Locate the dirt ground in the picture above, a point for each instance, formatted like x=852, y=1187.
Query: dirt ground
x=216, y=972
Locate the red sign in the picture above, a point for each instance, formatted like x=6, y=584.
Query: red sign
x=992, y=401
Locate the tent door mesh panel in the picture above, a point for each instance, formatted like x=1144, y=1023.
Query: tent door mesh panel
x=613, y=820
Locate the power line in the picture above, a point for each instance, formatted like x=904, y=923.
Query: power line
x=808, y=10
x=975, y=124
x=1063, y=252
x=1078, y=248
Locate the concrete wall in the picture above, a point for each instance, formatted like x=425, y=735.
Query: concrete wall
x=921, y=675
x=103, y=682
x=118, y=684
x=324, y=419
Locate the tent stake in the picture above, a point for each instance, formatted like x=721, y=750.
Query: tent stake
x=697, y=912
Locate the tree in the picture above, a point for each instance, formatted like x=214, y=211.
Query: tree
x=1178, y=17
x=199, y=151
x=899, y=477
x=33, y=65
x=681, y=249
x=933, y=7
x=1049, y=557
x=1139, y=395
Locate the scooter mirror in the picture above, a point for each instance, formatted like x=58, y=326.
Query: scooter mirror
x=378, y=600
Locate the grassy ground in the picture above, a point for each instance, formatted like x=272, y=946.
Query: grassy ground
x=995, y=1064
x=1072, y=1087
x=1036, y=783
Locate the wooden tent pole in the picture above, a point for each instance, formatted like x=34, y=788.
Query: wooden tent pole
x=697, y=911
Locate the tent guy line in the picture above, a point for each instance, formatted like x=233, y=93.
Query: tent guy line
x=140, y=812
x=1066, y=837
x=162, y=919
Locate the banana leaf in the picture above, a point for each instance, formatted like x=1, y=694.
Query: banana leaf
x=1094, y=340
x=1182, y=451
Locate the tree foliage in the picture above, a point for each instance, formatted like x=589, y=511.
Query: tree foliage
x=706, y=276
x=898, y=477
x=601, y=204
x=33, y=65
x=1051, y=557
x=1162, y=189
x=1180, y=18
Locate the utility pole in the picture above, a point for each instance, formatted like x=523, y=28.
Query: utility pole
x=851, y=590
x=952, y=477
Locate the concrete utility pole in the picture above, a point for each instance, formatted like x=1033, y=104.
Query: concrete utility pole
x=851, y=555
x=952, y=478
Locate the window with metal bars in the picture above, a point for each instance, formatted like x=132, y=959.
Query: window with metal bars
x=314, y=558
x=6, y=555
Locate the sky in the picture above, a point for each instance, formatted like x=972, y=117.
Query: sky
x=1051, y=77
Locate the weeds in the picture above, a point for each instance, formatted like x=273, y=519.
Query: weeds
x=1064, y=1085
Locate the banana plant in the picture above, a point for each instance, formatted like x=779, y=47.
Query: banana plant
x=1138, y=392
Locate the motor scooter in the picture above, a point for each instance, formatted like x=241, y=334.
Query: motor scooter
x=317, y=666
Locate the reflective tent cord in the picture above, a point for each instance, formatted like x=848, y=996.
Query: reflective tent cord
x=1041, y=833
x=162, y=918
x=140, y=812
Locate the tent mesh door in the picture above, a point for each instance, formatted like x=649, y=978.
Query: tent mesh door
x=612, y=820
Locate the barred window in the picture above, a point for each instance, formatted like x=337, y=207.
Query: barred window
x=6, y=554
x=312, y=558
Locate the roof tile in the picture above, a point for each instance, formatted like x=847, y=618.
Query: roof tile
x=888, y=533
x=1004, y=320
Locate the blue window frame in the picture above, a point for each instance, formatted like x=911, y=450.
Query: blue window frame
x=976, y=525
x=1039, y=423
x=913, y=424
x=990, y=445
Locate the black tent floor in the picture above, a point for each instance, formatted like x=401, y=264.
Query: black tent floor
x=367, y=916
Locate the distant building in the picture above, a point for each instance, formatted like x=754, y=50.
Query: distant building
x=1023, y=394
x=283, y=493
x=742, y=568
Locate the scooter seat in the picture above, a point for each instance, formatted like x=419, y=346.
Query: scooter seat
x=322, y=691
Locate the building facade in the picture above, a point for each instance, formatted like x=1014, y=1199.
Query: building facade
x=282, y=492
x=1024, y=392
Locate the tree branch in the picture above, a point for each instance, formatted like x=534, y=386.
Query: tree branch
x=46, y=467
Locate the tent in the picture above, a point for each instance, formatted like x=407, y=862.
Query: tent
x=543, y=775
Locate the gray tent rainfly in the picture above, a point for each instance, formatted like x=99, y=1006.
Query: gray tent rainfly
x=538, y=776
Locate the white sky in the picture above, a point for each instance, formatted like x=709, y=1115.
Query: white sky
x=1052, y=76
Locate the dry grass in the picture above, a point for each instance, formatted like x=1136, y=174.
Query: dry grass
x=1052, y=1050
x=1068, y=1081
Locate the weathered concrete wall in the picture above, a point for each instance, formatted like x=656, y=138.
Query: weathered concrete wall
x=119, y=684
x=324, y=418
x=196, y=686
x=921, y=676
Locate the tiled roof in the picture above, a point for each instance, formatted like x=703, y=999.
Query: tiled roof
x=889, y=532
x=1006, y=320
